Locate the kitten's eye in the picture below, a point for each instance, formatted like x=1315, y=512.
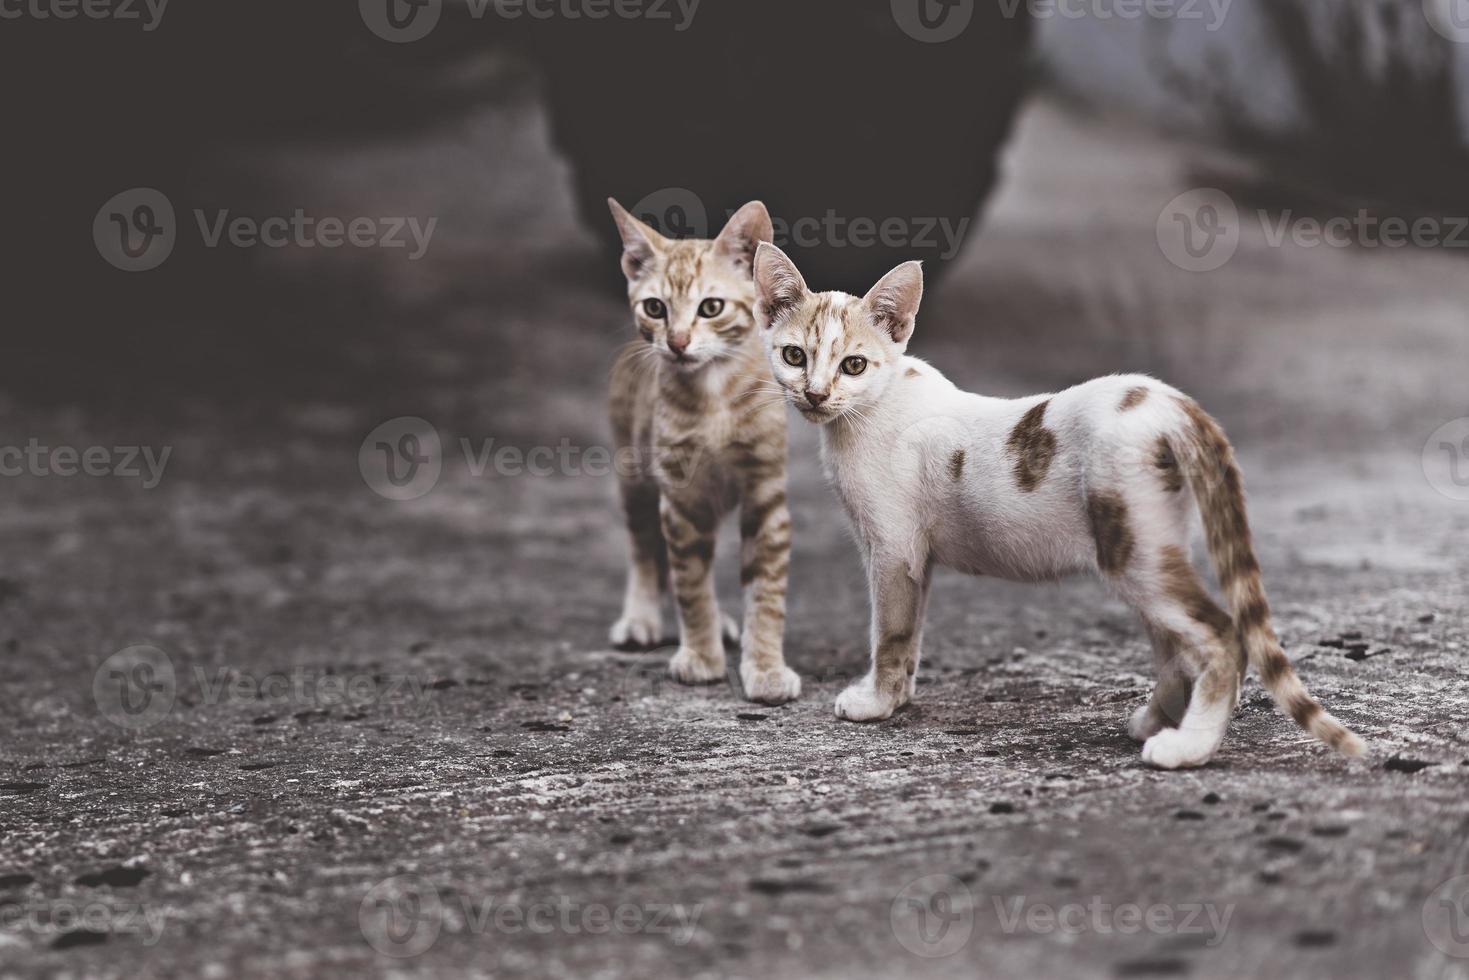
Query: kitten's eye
x=655, y=308
x=711, y=308
x=854, y=365
x=794, y=356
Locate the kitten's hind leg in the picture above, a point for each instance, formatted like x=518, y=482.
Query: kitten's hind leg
x=1171, y=598
x=1166, y=707
x=898, y=601
x=641, y=624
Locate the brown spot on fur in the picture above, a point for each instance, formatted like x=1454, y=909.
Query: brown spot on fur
x=1167, y=464
x=956, y=465
x=1273, y=667
x=1183, y=586
x=911, y=373
x=1114, y=540
x=1034, y=446
x=1133, y=398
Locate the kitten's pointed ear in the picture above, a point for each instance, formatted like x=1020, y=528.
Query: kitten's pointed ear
x=779, y=287
x=639, y=242
x=747, y=228
x=893, y=302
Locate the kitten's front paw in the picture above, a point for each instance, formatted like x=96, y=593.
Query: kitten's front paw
x=1144, y=724
x=864, y=702
x=1173, y=748
x=636, y=631
x=776, y=686
x=691, y=667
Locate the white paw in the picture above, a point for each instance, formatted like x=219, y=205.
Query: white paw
x=730, y=629
x=690, y=667
x=636, y=630
x=863, y=702
x=1176, y=749
x=775, y=686
x=1143, y=724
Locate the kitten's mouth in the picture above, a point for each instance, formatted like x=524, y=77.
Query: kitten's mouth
x=820, y=416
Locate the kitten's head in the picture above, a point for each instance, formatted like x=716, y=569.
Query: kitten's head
x=693, y=300
x=833, y=353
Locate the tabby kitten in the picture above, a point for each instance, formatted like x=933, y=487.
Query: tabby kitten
x=1097, y=477
x=693, y=400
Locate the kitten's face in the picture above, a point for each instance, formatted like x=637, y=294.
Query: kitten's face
x=834, y=354
x=693, y=301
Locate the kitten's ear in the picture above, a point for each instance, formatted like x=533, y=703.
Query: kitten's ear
x=779, y=287
x=639, y=242
x=747, y=228
x=893, y=302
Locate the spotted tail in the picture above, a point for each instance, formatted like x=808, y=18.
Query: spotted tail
x=1214, y=477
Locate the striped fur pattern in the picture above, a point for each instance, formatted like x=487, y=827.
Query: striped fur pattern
x=694, y=398
x=1102, y=477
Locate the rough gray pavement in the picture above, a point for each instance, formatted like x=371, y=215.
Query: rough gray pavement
x=555, y=808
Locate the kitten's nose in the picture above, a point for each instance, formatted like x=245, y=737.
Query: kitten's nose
x=816, y=397
x=679, y=342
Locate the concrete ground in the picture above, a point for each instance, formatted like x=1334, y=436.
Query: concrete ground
x=499, y=794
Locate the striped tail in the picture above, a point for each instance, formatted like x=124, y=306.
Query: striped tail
x=1214, y=477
